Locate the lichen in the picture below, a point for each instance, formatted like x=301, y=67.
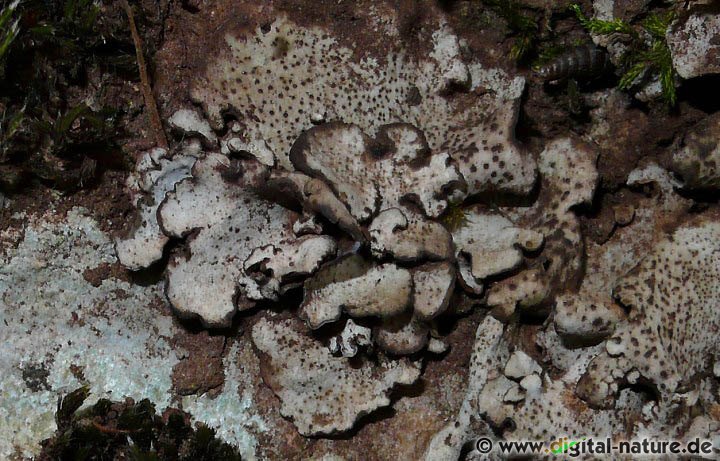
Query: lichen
x=665, y=350
x=74, y=325
x=323, y=394
x=321, y=196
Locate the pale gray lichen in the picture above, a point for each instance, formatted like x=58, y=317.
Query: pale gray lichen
x=353, y=337
x=520, y=387
x=55, y=319
x=234, y=413
x=694, y=42
x=589, y=315
x=395, y=183
x=156, y=173
x=229, y=225
x=316, y=198
x=569, y=178
x=189, y=121
x=670, y=330
x=308, y=72
x=111, y=334
x=433, y=285
x=241, y=140
x=365, y=150
x=488, y=243
x=371, y=147
x=370, y=175
x=382, y=291
x=408, y=236
x=489, y=350
x=349, y=177
x=323, y=394
x=655, y=346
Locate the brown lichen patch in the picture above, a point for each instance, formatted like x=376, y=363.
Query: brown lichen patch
x=78, y=372
x=200, y=368
x=108, y=203
x=32, y=200
x=95, y=276
x=714, y=411
x=572, y=403
x=445, y=378
x=620, y=153
x=35, y=377
x=626, y=135
x=526, y=338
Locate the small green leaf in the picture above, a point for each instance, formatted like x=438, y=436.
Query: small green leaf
x=64, y=123
x=657, y=25
x=42, y=31
x=68, y=405
x=7, y=130
x=629, y=77
x=600, y=26
x=667, y=80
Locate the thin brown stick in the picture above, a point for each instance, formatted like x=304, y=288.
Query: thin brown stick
x=110, y=430
x=150, y=104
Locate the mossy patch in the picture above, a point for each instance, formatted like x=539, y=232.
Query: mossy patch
x=129, y=430
x=55, y=125
x=648, y=54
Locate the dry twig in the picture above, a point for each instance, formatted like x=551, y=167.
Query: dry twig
x=150, y=104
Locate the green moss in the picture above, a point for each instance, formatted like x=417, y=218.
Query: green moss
x=648, y=54
x=546, y=53
x=129, y=430
x=521, y=24
x=48, y=49
x=454, y=217
x=599, y=26
x=9, y=28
